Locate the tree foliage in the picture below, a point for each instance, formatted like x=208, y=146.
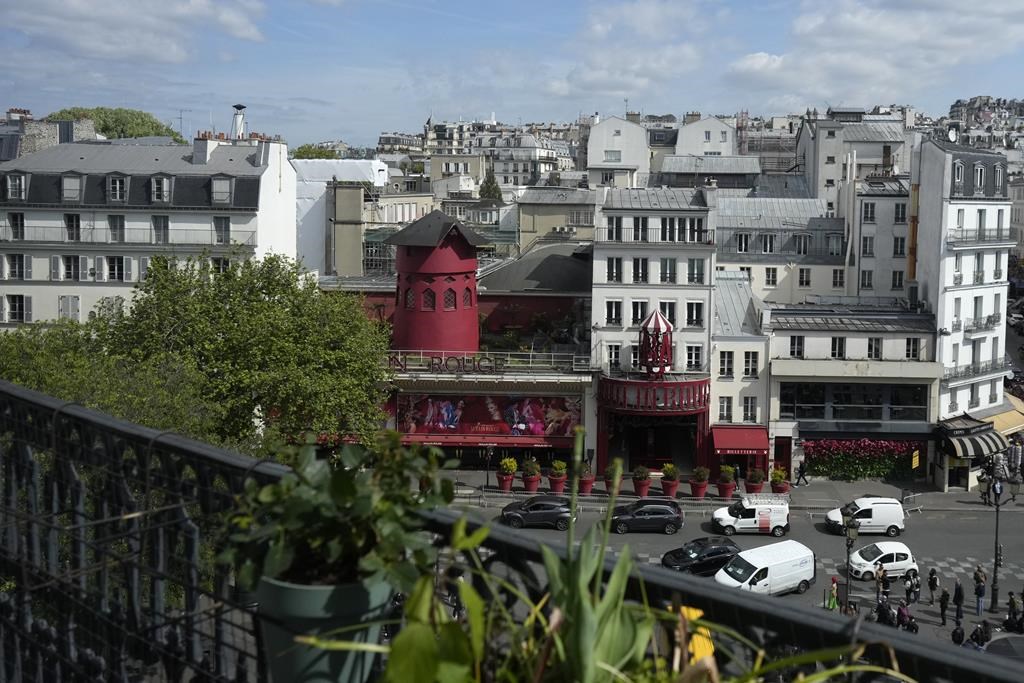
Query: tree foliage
x=313, y=152
x=489, y=188
x=118, y=122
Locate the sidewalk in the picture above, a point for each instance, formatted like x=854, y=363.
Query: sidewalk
x=821, y=494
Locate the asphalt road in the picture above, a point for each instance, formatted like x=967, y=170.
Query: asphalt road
x=951, y=542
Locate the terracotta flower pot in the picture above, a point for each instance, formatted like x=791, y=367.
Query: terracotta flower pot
x=669, y=488
x=505, y=482
x=725, y=490
x=698, y=488
x=557, y=483
x=753, y=488
x=609, y=484
x=641, y=487
x=586, y=485
x=780, y=487
x=531, y=484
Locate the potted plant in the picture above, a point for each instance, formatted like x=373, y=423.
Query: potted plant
x=754, y=481
x=506, y=473
x=586, y=480
x=613, y=477
x=641, y=480
x=726, y=481
x=325, y=548
x=531, y=475
x=557, y=476
x=779, y=483
x=699, y=482
x=670, y=480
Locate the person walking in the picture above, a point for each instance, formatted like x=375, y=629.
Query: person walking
x=833, y=595
x=879, y=574
x=979, y=593
x=908, y=586
x=801, y=474
x=916, y=587
x=943, y=604
x=886, y=585
x=958, y=601
x=933, y=584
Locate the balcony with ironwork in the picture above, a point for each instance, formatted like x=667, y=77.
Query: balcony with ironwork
x=973, y=371
x=982, y=324
x=979, y=277
x=653, y=237
x=108, y=553
x=633, y=392
x=961, y=237
x=127, y=237
x=417, y=362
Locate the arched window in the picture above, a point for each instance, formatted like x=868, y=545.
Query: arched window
x=429, y=300
x=449, y=299
x=467, y=298
x=410, y=299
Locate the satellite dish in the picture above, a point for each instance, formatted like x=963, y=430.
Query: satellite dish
x=951, y=134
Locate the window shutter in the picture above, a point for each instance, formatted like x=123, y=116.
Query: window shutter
x=83, y=268
x=62, y=307
x=74, y=307
x=127, y=268
x=143, y=267
x=28, y=309
x=55, y=267
x=28, y=267
x=3, y=312
x=100, y=266
x=3, y=267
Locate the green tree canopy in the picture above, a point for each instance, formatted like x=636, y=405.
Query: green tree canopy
x=489, y=188
x=118, y=123
x=313, y=152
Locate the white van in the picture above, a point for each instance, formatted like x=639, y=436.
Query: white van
x=759, y=514
x=876, y=516
x=771, y=570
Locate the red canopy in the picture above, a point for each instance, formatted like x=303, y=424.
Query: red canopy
x=656, y=344
x=752, y=440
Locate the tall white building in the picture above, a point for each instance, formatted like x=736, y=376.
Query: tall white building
x=80, y=222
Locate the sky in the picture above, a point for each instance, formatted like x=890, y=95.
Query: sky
x=316, y=70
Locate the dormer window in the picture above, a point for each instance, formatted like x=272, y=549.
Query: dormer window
x=71, y=188
x=979, y=177
x=221, y=190
x=161, y=190
x=999, y=179
x=958, y=172
x=16, y=187
x=117, y=189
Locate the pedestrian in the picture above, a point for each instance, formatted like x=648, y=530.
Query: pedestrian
x=979, y=593
x=908, y=586
x=933, y=584
x=903, y=614
x=1013, y=606
x=833, y=595
x=801, y=474
x=958, y=601
x=886, y=585
x=916, y=585
x=879, y=573
x=983, y=485
x=943, y=604
x=979, y=575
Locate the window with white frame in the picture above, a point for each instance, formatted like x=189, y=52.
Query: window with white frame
x=913, y=348
x=668, y=309
x=958, y=262
x=613, y=312
x=750, y=408
x=615, y=228
x=668, y=229
x=16, y=187
x=161, y=230
x=639, y=228
x=73, y=227
x=115, y=226
x=796, y=346
x=804, y=277
x=899, y=246
x=639, y=311
x=68, y=307
x=868, y=212
x=694, y=314
x=771, y=276
x=899, y=212
x=695, y=271
x=747, y=272
x=742, y=243
x=694, y=357
x=707, y=136
x=667, y=267
x=614, y=269
x=725, y=408
x=71, y=188
x=18, y=308
x=874, y=348
x=958, y=172
x=220, y=265
x=16, y=267
x=960, y=219
x=118, y=268
x=614, y=351
x=750, y=366
x=867, y=245
x=72, y=267
x=613, y=156
x=979, y=177
x=220, y=190
x=838, y=278
x=16, y=221
x=639, y=269
x=607, y=177
x=867, y=279
x=222, y=230
x=802, y=244
x=116, y=189
x=161, y=189
x=634, y=356
x=838, y=347
x=725, y=363
x=999, y=179
x=835, y=245
x=767, y=243
x=897, y=279
x=581, y=217
x=725, y=136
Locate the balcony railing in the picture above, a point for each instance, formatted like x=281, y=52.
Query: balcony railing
x=652, y=237
x=957, y=325
x=128, y=237
x=958, y=279
x=110, y=530
x=997, y=274
x=979, y=277
x=974, y=403
x=985, y=322
x=987, y=367
x=964, y=236
x=486, y=362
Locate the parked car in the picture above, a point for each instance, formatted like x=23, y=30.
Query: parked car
x=648, y=514
x=771, y=569
x=550, y=511
x=895, y=557
x=701, y=556
x=763, y=514
x=877, y=515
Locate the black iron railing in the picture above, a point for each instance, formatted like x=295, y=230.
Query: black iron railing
x=107, y=542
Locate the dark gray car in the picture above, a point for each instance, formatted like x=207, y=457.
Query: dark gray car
x=648, y=514
x=538, y=511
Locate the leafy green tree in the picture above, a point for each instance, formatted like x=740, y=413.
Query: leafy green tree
x=489, y=187
x=313, y=152
x=274, y=351
x=118, y=123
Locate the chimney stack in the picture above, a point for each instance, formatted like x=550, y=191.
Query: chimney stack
x=238, y=123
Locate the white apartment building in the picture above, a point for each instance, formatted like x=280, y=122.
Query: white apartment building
x=617, y=154
x=522, y=159
x=80, y=222
x=1017, y=212
x=880, y=223
x=709, y=136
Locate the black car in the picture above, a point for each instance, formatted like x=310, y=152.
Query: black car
x=648, y=515
x=701, y=556
x=538, y=511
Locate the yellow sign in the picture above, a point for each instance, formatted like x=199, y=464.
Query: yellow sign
x=916, y=460
x=700, y=644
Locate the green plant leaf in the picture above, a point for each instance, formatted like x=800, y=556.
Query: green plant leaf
x=453, y=645
x=474, y=540
x=280, y=556
x=415, y=656
x=420, y=602
x=475, y=618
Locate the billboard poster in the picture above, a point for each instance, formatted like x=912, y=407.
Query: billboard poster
x=483, y=415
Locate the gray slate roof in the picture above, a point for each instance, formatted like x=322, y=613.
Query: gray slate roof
x=558, y=195
x=553, y=267
x=658, y=199
x=725, y=165
x=102, y=158
x=885, y=186
x=429, y=230
x=771, y=207
x=874, y=131
x=850, y=319
x=736, y=313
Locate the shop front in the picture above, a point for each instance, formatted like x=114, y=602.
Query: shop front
x=964, y=443
x=744, y=447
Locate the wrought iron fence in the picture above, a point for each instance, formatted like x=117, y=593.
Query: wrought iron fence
x=108, y=532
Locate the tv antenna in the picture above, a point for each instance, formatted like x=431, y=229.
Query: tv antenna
x=181, y=120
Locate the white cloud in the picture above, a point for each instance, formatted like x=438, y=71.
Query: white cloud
x=150, y=30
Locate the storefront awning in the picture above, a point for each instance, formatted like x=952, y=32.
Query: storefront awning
x=740, y=440
x=486, y=440
x=1010, y=422
x=978, y=445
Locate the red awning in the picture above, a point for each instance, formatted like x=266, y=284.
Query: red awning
x=485, y=440
x=740, y=440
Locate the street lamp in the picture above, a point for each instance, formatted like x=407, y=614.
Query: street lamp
x=999, y=474
x=851, y=529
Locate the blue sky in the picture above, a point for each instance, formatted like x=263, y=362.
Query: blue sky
x=315, y=70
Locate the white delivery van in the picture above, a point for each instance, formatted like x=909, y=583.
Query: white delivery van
x=764, y=514
x=876, y=516
x=771, y=570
